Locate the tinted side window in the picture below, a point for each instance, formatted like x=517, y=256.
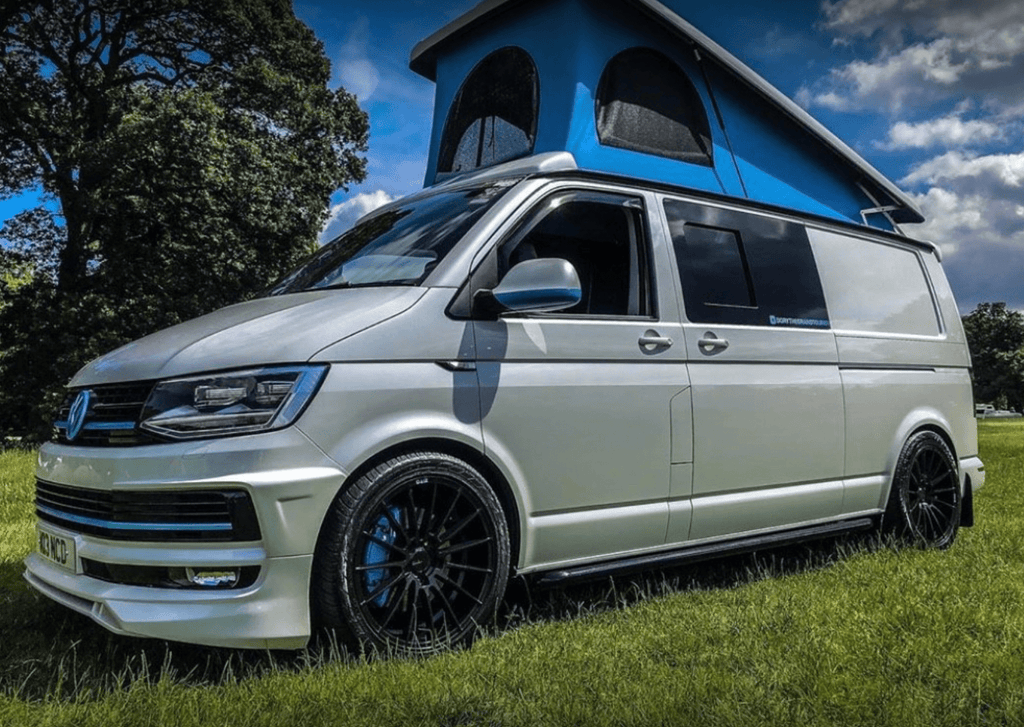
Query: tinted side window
x=744, y=269
x=603, y=236
x=874, y=287
x=719, y=267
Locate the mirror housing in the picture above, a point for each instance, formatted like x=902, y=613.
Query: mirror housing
x=542, y=285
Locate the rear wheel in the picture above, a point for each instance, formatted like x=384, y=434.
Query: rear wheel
x=925, y=501
x=415, y=555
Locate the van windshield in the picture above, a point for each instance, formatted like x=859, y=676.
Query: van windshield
x=397, y=247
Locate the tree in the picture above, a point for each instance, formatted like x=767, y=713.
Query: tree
x=186, y=151
x=995, y=335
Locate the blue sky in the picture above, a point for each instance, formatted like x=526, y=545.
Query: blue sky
x=930, y=92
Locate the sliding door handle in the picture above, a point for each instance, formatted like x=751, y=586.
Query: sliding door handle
x=711, y=344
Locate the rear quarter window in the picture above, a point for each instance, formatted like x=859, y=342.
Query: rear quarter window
x=874, y=286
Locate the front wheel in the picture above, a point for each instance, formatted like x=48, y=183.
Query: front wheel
x=415, y=555
x=925, y=501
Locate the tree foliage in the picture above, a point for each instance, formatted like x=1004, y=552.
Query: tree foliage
x=186, y=151
x=995, y=335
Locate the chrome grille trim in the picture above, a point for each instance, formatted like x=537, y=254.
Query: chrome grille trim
x=113, y=416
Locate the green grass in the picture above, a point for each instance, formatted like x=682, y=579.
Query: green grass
x=834, y=634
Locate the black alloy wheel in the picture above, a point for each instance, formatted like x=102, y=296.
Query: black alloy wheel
x=415, y=555
x=926, y=500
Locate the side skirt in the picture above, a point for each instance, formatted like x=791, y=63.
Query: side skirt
x=698, y=553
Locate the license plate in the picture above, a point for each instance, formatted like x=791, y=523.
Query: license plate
x=57, y=549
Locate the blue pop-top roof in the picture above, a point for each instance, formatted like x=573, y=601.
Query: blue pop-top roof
x=765, y=147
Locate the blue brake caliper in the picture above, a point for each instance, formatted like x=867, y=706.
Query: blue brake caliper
x=377, y=553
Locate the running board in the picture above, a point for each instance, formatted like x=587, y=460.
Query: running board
x=700, y=552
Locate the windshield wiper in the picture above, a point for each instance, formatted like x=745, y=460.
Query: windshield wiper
x=374, y=284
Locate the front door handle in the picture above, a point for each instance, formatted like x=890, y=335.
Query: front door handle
x=711, y=344
x=652, y=341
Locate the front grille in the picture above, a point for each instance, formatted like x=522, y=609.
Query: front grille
x=150, y=515
x=112, y=419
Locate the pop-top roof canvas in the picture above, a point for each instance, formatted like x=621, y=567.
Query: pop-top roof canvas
x=628, y=87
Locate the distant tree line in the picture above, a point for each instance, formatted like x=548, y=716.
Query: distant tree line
x=995, y=335
x=185, y=151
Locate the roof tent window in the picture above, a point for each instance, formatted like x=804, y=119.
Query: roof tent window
x=646, y=103
x=494, y=115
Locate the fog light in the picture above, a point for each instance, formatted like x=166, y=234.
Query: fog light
x=212, y=578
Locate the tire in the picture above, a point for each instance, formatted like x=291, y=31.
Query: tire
x=925, y=501
x=414, y=556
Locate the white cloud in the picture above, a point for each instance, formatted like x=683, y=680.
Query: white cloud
x=892, y=20
x=947, y=131
x=982, y=242
x=993, y=173
x=974, y=212
x=354, y=70
x=922, y=72
x=359, y=77
x=342, y=216
x=958, y=49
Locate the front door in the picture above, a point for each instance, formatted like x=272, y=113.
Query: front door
x=578, y=400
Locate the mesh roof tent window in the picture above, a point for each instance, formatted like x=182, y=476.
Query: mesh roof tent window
x=494, y=115
x=646, y=103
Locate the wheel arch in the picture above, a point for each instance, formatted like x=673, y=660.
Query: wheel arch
x=471, y=456
x=916, y=422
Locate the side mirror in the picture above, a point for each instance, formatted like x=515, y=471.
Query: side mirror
x=538, y=286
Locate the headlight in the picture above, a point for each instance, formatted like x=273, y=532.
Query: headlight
x=237, y=402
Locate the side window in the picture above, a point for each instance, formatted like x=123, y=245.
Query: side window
x=872, y=286
x=718, y=266
x=744, y=269
x=494, y=115
x=604, y=238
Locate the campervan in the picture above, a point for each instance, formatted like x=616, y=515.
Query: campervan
x=535, y=367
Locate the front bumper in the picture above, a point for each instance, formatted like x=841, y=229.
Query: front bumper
x=271, y=614
x=292, y=484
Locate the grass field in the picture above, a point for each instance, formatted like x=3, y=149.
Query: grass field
x=838, y=633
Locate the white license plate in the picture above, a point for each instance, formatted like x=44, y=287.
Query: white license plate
x=57, y=549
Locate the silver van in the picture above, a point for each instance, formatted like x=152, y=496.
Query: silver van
x=528, y=370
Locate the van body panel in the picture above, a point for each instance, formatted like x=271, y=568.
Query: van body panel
x=585, y=435
x=883, y=407
x=680, y=506
x=385, y=404
x=582, y=535
x=417, y=333
x=875, y=286
x=764, y=508
x=861, y=494
x=764, y=372
x=951, y=322
x=283, y=329
x=902, y=354
x=864, y=350
x=763, y=430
